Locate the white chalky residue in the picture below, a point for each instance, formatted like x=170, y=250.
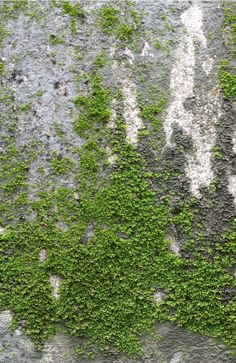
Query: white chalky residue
x=207, y=65
x=43, y=255
x=129, y=54
x=175, y=248
x=199, y=168
x=49, y=353
x=192, y=20
x=131, y=111
x=159, y=297
x=174, y=245
x=55, y=282
x=112, y=122
x=111, y=157
x=5, y=320
x=18, y=332
x=234, y=141
x=232, y=186
x=176, y=358
x=199, y=126
x=129, y=90
x=2, y=230
x=146, y=51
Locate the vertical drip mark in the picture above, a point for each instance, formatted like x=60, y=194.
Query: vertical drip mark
x=199, y=125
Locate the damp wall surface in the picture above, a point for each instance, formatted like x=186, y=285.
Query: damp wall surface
x=118, y=194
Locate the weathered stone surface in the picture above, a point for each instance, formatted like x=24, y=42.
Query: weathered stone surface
x=196, y=119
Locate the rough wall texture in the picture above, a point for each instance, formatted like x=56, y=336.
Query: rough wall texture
x=166, y=104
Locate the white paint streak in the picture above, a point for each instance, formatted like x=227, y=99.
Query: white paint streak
x=232, y=186
x=202, y=131
x=55, y=282
x=131, y=111
x=192, y=20
x=199, y=125
x=129, y=90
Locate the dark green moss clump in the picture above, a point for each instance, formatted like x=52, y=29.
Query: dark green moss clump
x=227, y=73
x=95, y=107
x=124, y=24
x=75, y=11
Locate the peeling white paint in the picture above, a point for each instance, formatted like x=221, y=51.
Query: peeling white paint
x=55, y=282
x=192, y=20
x=200, y=125
x=131, y=111
x=43, y=255
x=176, y=358
x=202, y=131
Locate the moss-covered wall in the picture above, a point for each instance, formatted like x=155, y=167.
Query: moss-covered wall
x=117, y=160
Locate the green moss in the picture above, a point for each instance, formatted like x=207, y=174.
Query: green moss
x=75, y=11
x=61, y=165
x=150, y=112
x=1, y=69
x=100, y=60
x=112, y=22
x=228, y=79
x=53, y=39
x=227, y=73
x=109, y=18
x=95, y=108
x=217, y=153
x=25, y=106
